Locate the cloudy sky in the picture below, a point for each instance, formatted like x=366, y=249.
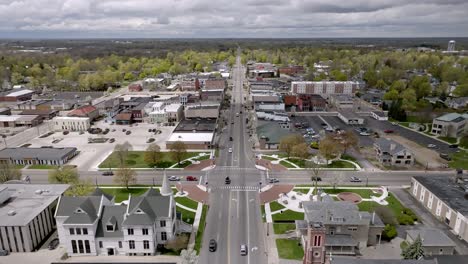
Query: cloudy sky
x=232, y=18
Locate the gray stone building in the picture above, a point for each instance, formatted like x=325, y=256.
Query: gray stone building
x=434, y=241
x=391, y=153
x=33, y=156
x=449, y=125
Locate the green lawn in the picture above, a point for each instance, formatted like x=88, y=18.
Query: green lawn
x=121, y=194
x=204, y=157
x=283, y=227
x=287, y=215
x=289, y=249
x=19, y=167
x=464, y=142
x=287, y=164
x=135, y=159
x=449, y=140
x=364, y=193
x=187, y=216
x=187, y=202
x=275, y=206
x=201, y=229
x=459, y=160
x=42, y=167
x=393, y=204
x=268, y=158
x=340, y=164
x=298, y=162
x=304, y=191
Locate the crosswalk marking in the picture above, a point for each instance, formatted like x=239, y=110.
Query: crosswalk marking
x=236, y=187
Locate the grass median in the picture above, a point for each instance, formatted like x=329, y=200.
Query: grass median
x=289, y=249
x=201, y=229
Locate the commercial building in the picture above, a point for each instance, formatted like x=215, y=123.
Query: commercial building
x=450, y=125
x=27, y=214
x=43, y=114
x=109, y=108
x=270, y=133
x=349, y=117
x=19, y=120
x=215, y=84
x=342, y=101
x=166, y=113
x=190, y=85
x=33, y=156
x=95, y=226
x=85, y=111
x=304, y=103
x=434, y=241
x=16, y=95
x=205, y=110
x=446, y=198
x=195, y=133
x=324, y=88
x=212, y=95
x=291, y=70
x=391, y=153
x=67, y=123
x=346, y=228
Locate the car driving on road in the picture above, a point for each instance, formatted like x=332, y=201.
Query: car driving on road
x=273, y=180
x=174, y=178
x=230, y=150
x=191, y=178
x=212, y=245
x=227, y=180
x=355, y=179
x=243, y=250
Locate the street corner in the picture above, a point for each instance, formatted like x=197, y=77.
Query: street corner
x=273, y=193
x=194, y=192
x=268, y=165
x=203, y=165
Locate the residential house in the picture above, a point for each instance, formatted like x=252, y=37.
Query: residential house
x=446, y=198
x=346, y=228
x=26, y=215
x=37, y=156
x=95, y=226
x=434, y=241
x=450, y=125
x=391, y=153
x=88, y=111
x=457, y=103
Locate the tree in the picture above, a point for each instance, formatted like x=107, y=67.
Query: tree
x=380, y=84
x=461, y=90
x=301, y=151
x=64, y=174
x=349, y=140
x=287, y=143
x=399, y=86
x=177, y=243
x=389, y=232
x=409, y=100
x=80, y=188
x=336, y=180
x=121, y=151
x=314, y=172
x=178, y=151
x=8, y=172
x=329, y=149
x=414, y=251
x=153, y=155
x=391, y=95
x=125, y=176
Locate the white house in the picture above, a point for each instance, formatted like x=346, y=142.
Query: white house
x=62, y=123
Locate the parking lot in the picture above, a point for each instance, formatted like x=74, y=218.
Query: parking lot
x=91, y=154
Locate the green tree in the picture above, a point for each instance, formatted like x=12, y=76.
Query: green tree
x=80, y=188
x=153, y=155
x=370, y=77
x=389, y=232
x=329, y=149
x=391, y=95
x=398, y=86
x=414, y=251
x=8, y=172
x=178, y=151
x=380, y=84
x=125, y=176
x=461, y=90
x=421, y=86
x=64, y=174
x=409, y=99
x=287, y=143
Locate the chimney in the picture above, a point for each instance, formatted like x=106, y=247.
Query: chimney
x=373, y=217
x=392, y=146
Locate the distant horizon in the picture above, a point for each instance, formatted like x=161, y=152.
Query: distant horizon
x=217, y=38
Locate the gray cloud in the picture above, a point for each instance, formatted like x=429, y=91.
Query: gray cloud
x=233, y=18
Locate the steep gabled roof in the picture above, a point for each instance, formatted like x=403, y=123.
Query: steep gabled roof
x=85, y=212
x=99, y=192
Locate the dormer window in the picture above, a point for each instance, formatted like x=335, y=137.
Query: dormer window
x=79, y=211
x=139, y=211
x=110, y=228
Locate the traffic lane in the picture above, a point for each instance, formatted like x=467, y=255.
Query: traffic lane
x=410, y=135
x=256, y=245
x=236, y=227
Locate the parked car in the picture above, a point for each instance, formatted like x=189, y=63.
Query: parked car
x=150, y=130
x=123, y=130
x=150, y=140
x=227, y=180
x=174, y=178
x=108, y=173
x=230, y=150
x=431, y=146
x=191, y=178
x=243, y=250
x=4, y=252
x=230, y=138
x=212, y=245
x=388, y=131
x=128, y=132
x=53, y=244
x=445, y=156
x=273, y=180
x=313, y=178
x=112, y=140
x=453, y=146
x=364, y=134
x=81, y=132
x=355, y=179
x=66, y=132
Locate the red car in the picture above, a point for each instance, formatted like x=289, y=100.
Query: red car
x=388, y=131
x=191, y=178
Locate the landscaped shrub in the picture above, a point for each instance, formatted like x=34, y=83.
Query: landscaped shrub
x=386, y=214
x=389, y=232
x=404, y=219
x=409, y=212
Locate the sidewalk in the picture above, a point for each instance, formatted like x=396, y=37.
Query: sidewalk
x=196, y=223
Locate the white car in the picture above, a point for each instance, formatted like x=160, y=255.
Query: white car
x=364, y=134
x=230, y=150
x=431, y=146
x=174, y=178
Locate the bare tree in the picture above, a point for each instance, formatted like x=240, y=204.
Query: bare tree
x=301, y=151
x=125, y=176
x=287, y=143
x=336, y=180
x=177, y=243
x=314, y=172
x=9, y=172
x=153, y=154
x=121, y=151
x=349, y=140
x=178, y=150
x=329, y=149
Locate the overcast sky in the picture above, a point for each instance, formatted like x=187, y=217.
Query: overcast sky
x=233, y=18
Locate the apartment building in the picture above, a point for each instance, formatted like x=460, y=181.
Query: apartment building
x=26, y=214
x=94, y=225
x=324, y=88
x=446, y=198
x=68, y=123
x=450, y=125
x=391, y=153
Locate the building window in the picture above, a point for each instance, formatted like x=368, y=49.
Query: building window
x=130, y=231
x=352, y=228
x=131, y=244
x=78, y=231
x=163, y=236
x=162, y=223
x=85, y=231
x=87, y=247
x=110, y=228
x=80, y=246
x=145, y=231
x=120, y=244
x=145, y=244
x=72, y=231
x=74, y=248
x=100, y=244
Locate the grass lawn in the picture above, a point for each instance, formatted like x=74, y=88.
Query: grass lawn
x=298, y=162
x=287, y=164
x=183, y=164
x=187, y=216
x=288, y=215
x=201, y=229
x=268, y=158
x=42, y=167
x=393, y=204
x=275, y=206
x=187, y=202
x=282, y=228
x=464, y=142
x=459, y=160
x=364, y=193
x=340, y=164
x=121, y=194
x=135, y=159
x=304, y=191
x=19, y=167
x=289, y=249
x=450, y=140
x=204, y=157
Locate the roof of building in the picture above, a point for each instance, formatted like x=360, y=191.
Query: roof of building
x=172, y=107
x=266, y=98
x=202, y=106
x=83, y=111
x=145, y=209
x=20, y=153
x=449, y=259
x=447, y=190
x=20, y=93
x=27, y=201
x=191, y=137
x=271, y=130
x=124, y=116
x=453, y=117
x=350, y=260
x=389, y=146
x=114, y=215
x=196, y=124
x=70, y=118
x=341, y=240
x=77, y=96
x=38, y=112
x=431, y=237
x=99, y=192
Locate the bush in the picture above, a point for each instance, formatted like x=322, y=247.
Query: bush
x=389, y=232
x=410, y=213
x=314, y=145
x=404, y=219
x=386, y=214
x=164, y=164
